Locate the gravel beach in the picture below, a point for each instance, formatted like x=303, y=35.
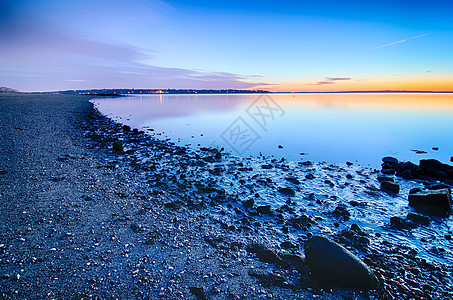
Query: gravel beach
x=153, y=220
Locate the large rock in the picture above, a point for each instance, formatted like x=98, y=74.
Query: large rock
x=437, y=202
x=436, y=168
x=332, y=264
x=389, y=186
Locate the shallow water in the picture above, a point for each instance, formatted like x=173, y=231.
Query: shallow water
x=324, y=127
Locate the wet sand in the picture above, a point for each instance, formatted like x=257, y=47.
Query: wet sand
x=156, y=221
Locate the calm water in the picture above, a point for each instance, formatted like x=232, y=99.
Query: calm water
x=324, y=127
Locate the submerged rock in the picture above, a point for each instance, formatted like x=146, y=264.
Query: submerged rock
x=118, y=146
x=287, y=191
x=332, y=264
x=437, y=202
x=389, y=186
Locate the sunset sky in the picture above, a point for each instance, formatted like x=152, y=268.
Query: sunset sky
x=274, y=45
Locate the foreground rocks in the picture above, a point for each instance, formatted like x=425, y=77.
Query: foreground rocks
x=437, y=202
x=334, y=265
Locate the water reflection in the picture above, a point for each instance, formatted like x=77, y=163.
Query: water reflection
x=329, y=127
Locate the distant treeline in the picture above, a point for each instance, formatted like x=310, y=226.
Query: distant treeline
x=155, y=91
x=4, y=89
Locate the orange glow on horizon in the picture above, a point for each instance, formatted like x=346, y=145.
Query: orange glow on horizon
x=397, y=84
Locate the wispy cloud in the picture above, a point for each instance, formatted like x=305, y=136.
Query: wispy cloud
x=330, y=80
x=401, y=41
x=389, y=44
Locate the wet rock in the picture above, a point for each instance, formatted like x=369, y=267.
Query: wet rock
x=415, y=190
x=332, y=264
x=349, y=163
x=198, y=292
x=437, y=186
x=267, y=167
x=248, y=204
x=292, y=180
x=264, y=253
x=354, y=237
x=303, y=222
x=287, y=191
x=310, y=176
x=118, y=146
x=388, y=171
x=385, y=178
x=437, y=202
x=399, y=223
x=280, y=147
x=264, y=209
x=287, y=245
x=417, y=218
x=126, y=128
x=341, y=212
x=435, y=148
x=435, y=168
x=390, y=160
x=389, y=186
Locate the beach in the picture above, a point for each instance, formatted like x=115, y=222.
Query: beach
x=156, y=220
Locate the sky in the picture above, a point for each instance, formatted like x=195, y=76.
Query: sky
x=292, y=46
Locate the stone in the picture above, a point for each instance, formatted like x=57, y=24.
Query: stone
x=436, y=202
x=390, y=160
x=434, y=167
x=126, y=128
x=388, y=171
x=417, y=218
x=401, y=224
x=385, y=178
x=334, y=265
x=248, y=204
x=390, y=187
x=118, y=146
x=287, y=191
x=310, y=176
x=198, y=292
x=292, y=180
x=340, y=212
x=264, y=209
x=264, y=253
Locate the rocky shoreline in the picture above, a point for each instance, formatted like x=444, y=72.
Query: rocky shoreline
x=100, y=210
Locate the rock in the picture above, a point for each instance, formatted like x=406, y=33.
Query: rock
x=264, y=253
x=436, y=202
x=401, y=224
x=332, y=264
x=248, y=204
x=292, y=180
x=415, y=190
x=435, y=168
x=126, y=128
x=349, y=163
x=390, y=187
x=417, y=218
x=388, y=171
x=198, y=292
x=310, y=176
x=287, y=245
x=280, y=147
x=303, y=222
x=437, y=186
x=264, y=209
x=287, y=191
x=267, y=167
x=384, y=178
x=340, y=212
x=451, y=158
x=390, y=160
x=118, y=146
x=435, y=148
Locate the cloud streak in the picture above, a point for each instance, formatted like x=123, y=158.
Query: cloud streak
x=401, y=41
x=331, y=80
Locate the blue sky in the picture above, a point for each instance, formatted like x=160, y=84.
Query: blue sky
x=274, y=45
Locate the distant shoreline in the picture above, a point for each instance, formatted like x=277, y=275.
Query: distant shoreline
x=117, y=92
